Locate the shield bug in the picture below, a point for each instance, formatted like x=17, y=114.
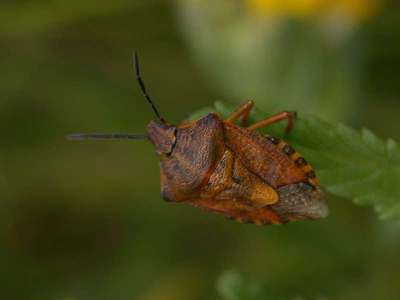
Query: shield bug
x=221, y=167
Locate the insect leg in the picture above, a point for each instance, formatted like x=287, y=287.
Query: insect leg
x=242, y=111
x=290, y=116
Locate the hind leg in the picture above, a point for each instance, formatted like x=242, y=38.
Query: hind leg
x=285, y=115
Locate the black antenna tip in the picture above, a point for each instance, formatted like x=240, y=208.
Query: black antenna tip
x=136, y=61
x=143, y=87
x=105, y=136
x=75, y=137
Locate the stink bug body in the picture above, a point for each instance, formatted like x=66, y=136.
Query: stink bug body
x=235, y=171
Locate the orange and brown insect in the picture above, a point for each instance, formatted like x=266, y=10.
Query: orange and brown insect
x=235, y=171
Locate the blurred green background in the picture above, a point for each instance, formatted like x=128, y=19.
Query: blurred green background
x=86, y=220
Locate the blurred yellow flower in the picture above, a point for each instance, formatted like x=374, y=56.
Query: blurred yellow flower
x=286, y=7
x=356, y=10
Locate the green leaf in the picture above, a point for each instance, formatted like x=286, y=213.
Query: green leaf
x=234, y=286
x=350, y=163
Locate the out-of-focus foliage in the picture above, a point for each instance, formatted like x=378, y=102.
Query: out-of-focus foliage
x=86, y=221
x=233, y=286
x=39, y=16
x=298, y=55
x=350, y=164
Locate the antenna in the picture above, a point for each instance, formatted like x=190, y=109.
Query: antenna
x=143, y=88
x=105, y=136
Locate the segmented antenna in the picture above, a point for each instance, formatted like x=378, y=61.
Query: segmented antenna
x=143, y=88
x=105, y=136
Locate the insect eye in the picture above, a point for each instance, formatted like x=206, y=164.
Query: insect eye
x=162, y=136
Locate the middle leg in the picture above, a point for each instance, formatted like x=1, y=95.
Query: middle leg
x=242, y=111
